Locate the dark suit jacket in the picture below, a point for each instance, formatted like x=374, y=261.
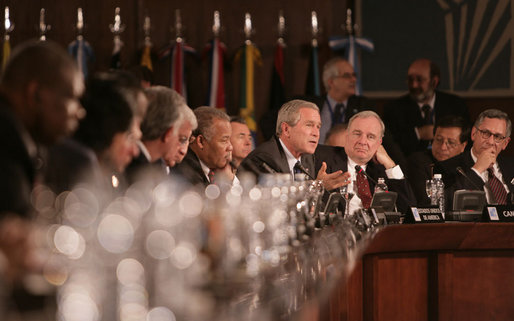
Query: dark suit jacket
x=402, y=115
x=418, y=171
x=272, y=154
x=191, y=170
x=17, y=171
x=336, y=159
x=454, y=181
x=141, y=168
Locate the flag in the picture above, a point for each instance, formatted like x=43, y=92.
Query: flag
x=312, y=86
x=277, y=93
x=116, y=53
x=146, y=57
x=6, y=52
x=82, y=52
x=351, y=43
x=248, y=55
x=216, y=97
x=177, y=51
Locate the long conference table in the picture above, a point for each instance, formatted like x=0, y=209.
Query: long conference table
x=450, y=271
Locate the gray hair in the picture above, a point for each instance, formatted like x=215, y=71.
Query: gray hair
x=205, y=116
x=289, y=113
x=330, y=70
x=368, y=114
x=495, y=113
x=166, y=108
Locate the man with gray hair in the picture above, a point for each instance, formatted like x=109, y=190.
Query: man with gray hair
x=483, y=166
x=291, y=149
x=340, y=103
x=364, y=153
x=210, y=151
x=166, y=130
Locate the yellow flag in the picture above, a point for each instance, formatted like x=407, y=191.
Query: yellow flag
x=6, y=52
x=146, y=57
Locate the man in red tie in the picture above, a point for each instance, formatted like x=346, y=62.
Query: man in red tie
x=483, y=166
x=364, y=148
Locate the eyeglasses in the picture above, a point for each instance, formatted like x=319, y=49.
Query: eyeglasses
x=419, y=79
x=451, y=144
x=486, y=134
x=347, y=75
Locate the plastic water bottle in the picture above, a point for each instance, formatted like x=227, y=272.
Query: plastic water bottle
x=381, y=186
x=438, y=186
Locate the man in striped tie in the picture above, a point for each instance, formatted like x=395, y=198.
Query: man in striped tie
x=483, y=167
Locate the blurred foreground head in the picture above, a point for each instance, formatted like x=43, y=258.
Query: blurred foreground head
x=43, y=87
x=108, y=128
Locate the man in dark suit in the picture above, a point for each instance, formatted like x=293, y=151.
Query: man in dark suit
x=39, y=103
x=411, y=117
x=483, y=166
x=296, y=138
x=40, y=88
x=340, y=103
x=451, y=134
x=166, y=130
x=364, y=148
x=210, y=152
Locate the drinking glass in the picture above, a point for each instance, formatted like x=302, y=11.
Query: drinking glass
x=347, y=194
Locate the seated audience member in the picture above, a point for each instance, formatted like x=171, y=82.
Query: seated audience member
x=39, y=103
x=340, y=103
x=40, y=88
x=166, y=130
x=336, y=136
x=297, y=136
x=241, y=140
x=210, y=151
x=411, y=118
x=363, y=147
x=105, y=141
x=451, y=135
x=484, y=166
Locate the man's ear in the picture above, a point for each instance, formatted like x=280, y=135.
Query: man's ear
x=285, y=128
x=167, y=135
x=32, y=93
x=200, y=141
x=435, y=82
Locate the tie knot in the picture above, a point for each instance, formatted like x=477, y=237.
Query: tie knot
x=490, y=170
x=297, y=167
x=426, y=108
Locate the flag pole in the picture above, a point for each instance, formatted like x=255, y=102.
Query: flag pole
x=8, y=28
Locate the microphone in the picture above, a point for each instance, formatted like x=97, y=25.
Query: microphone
x=359, y=169
x=302, y=169
x=459, y=169
x=268, y=168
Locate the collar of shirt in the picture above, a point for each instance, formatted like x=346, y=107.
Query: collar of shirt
x=291, y=160
x=430, y=103
x=333, y=102
x=205, y=169
x=144, y=151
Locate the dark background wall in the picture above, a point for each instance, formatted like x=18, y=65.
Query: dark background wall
x=382, y=66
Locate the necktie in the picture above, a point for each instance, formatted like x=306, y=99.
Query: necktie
x=497, y=188
x=338, y=112
x=211, y=176
x=296, y=169
x=363, y=189
x=427, y=117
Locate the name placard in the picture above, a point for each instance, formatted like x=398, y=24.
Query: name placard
x=427, y=214
x=499, y=213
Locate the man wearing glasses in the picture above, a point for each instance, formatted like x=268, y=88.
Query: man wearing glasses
x=340, y=103
x=451, y=134
x=166, y=130
x=483, y=166
x=411, y=117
